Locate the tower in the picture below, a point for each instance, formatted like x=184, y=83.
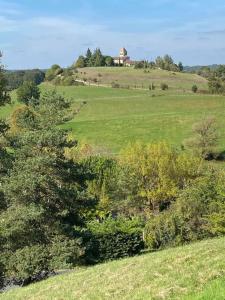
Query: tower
x=123, y=52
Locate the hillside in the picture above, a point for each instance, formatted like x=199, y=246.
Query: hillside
x=141, y=78
x=192, y=272
x=112, y=118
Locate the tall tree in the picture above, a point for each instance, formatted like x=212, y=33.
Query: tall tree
x=28, y=93
x=205, y=138
x=45, y=193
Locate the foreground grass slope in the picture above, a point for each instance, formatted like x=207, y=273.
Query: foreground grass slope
x=193, y=272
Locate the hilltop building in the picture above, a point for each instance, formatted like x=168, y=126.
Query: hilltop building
x=123, y=59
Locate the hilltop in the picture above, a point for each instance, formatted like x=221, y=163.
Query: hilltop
x=191, y=272
x=126, y=76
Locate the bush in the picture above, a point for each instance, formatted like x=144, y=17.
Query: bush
x=68, y=81
x=65, y=253
x=115, y=245
x=162, y=231
x=194, y=88
x=198, y=213
x=27, y=262
x=114, y=238
x=115, y=85
x=151, y=87
x=164, y=86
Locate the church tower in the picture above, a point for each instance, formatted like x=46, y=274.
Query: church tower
x=123, y=52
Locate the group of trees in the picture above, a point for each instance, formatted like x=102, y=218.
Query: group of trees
x=95, y=59
x=215, y=76
x=16, y=78
x=167, y=63
x=163, y=63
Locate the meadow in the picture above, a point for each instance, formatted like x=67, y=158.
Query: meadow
x=193, y=272
x=140, y=78
x=112, y=118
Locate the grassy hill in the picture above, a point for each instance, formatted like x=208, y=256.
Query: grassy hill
x=193, y=272
x=114, y=117
x=139, y=77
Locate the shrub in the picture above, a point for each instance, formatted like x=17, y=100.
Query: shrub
x=120, y=224
x=67, y=81
x=162, y=231
x=115, y=245
x=115, y=85
x=151, y=87
x=164, y=86
x=65, y=253
x=27, y=262
x=114, y=238
x=198, y=213
x=194, y=88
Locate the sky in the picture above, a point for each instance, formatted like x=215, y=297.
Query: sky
x=39, y=33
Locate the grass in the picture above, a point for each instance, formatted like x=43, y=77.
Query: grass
x=193, y=272
x=114, y=117
x=130, y=76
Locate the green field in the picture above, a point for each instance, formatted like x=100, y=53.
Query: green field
x=193, y=272
x=114, y=117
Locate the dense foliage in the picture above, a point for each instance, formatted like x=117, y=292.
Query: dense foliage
x=17, y=78
x=95, y=59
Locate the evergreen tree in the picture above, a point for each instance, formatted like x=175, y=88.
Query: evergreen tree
x=45, y=194
x=98, y=58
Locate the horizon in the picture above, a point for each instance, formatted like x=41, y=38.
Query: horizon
x=37, y=35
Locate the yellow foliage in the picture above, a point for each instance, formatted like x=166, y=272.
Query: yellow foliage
x=159, y=171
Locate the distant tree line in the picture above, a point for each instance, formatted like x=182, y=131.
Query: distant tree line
x=163, y=63
x=16, y=78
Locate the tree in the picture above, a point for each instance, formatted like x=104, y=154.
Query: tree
x=5, y=157
x=53, y=72
x=28, y=93
x=81, y=62
x=180, y=67
x=88, y=54
x=216, y=86
x=98, y=58
x=168, y=60
x=154, y=174
x=205, y=137
x=109, y=61
x=45, y=194
x=89, y=58
x=220, y=72
x=194, y=88
x=160, y=62
x=4, y=96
